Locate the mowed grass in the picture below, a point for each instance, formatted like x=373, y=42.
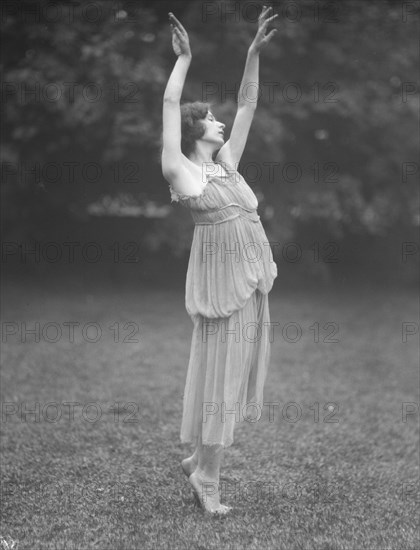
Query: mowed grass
x=108, y=475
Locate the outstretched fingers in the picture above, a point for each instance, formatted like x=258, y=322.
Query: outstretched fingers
x=264, y=24
x=269, y=36
x=267, y=21
x=261, y=39
x=176, y=31
x=265, y=10
x=175, y=21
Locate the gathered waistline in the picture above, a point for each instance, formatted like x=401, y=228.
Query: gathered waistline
x=254, y=219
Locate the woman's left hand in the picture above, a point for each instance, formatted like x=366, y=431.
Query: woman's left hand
x=180, y=40
x=261, y=39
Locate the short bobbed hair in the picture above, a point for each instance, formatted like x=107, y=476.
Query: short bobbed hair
x=192, y=129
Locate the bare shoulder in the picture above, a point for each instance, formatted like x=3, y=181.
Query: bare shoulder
x=187, y=178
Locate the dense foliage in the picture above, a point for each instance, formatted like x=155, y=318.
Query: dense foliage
x=333, y=147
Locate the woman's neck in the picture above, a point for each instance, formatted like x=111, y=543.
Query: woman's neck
x=202, y=154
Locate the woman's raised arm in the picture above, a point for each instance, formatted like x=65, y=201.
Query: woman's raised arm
x=248, y=93
x=171, y=152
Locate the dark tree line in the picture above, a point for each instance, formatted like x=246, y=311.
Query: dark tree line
x=332, y=154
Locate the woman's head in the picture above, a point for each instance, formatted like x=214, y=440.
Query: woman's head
x=198, y=122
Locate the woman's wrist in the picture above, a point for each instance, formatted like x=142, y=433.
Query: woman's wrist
x=185, y=57
x=253, y=51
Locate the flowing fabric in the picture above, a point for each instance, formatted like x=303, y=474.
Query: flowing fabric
x=230, y=273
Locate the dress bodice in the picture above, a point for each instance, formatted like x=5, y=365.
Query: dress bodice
x=220, y=192
x=230, y=254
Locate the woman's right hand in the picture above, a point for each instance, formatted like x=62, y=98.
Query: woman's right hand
x=180, y=41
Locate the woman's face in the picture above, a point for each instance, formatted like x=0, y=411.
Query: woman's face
x=214, y=130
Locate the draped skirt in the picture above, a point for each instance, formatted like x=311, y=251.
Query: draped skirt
x=227, y=368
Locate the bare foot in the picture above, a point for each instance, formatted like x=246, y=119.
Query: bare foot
x=189, y=465
x=206, y=491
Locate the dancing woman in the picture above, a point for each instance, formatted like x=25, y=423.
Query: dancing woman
x=231, y=268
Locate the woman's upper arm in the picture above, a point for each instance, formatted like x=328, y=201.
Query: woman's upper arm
x=183, y=181
x=232, y=150
x=171, y=151
x=175, y=165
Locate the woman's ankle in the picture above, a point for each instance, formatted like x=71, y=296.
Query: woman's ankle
x=206, y=475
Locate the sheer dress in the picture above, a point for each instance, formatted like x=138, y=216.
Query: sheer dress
x=230, y=273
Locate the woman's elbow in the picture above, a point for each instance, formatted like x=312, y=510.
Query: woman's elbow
x=170, y=100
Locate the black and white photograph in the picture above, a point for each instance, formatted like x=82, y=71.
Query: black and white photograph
x=210, y=252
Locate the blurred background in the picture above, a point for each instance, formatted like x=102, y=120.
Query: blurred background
x=332, y=154
x=94, y=259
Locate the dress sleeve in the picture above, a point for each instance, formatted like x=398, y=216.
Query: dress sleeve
x=174, y=194
x=177, y=197
x=181, y=198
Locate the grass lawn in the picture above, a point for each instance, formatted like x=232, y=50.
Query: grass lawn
x=105, y=473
